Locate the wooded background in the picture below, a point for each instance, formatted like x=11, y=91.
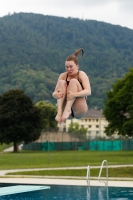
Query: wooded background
x=33, y=49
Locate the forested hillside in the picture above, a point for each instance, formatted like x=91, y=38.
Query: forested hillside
x=33, y=49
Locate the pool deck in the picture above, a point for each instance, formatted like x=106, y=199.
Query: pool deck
x=63, y=181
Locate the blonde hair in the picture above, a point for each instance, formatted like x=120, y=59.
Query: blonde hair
x=74, y=57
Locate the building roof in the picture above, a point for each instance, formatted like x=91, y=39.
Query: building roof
x=93, y=113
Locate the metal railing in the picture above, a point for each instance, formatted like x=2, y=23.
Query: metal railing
x=106, y=182
x=88, y=175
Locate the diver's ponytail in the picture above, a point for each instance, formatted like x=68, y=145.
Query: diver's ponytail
x=74, y=56
x=78, y=51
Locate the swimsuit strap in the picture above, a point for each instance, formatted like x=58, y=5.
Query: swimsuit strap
x=78, y=75
x=77, y=79
x=66, y=76
x=67, y=80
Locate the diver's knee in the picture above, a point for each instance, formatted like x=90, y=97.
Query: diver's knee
x=73, y=80
x=62, y=83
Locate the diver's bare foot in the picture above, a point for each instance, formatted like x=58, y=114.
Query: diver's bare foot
x=58, y=118
x=66, y=115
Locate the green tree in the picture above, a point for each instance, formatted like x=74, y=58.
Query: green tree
x=74, y=128
x=48, y=112
x=118, y=108
x=20, y=120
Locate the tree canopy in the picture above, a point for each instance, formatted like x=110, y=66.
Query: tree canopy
x=20, y=120
x=74, y=128
x=118, y=108
x=48, y=112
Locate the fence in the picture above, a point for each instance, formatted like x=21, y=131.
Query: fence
x=99, y=145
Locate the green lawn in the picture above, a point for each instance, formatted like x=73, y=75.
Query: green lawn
x=63, y=159
x=112, y=172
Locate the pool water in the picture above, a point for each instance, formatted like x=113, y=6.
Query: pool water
x=57, y=192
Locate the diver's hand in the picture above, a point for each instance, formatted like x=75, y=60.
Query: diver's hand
x=70, y=95
x=58, y=94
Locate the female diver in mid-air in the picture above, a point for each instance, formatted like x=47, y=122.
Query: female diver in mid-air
x=72, y=88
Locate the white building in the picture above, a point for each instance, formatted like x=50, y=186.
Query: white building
x=93, y=120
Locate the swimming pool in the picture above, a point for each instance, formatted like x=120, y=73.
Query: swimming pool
x=65, y=192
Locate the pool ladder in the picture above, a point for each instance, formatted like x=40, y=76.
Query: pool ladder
x=106, y=182
x=88, y=173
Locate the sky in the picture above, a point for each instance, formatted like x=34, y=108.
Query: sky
x=117, y=12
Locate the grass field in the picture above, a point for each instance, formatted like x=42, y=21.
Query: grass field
x=63, y=159
x=126, y=172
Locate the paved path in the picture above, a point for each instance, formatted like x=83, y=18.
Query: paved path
x=10, y=149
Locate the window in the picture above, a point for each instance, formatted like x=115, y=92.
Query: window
x=89, y=120
x=89, y=126
x=82, y=126
x=96, y=120
x=97, y=132
x=97, y=126
x=85, y=120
